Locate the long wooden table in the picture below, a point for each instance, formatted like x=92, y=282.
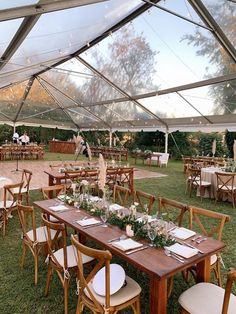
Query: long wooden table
x=152, y=261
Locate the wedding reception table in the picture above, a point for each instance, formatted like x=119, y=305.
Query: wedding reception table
x=152, y=261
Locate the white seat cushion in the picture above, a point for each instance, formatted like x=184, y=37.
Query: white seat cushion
x=8, y=204
x=205, y=183
x=213, y=259
x=41, y=233
x=16, y=190
x=71, y=257
x=128, y=292
x=227, y=188
x=206, y=298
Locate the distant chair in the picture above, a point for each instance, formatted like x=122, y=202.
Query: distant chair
x=164, y=158
x=226, y=184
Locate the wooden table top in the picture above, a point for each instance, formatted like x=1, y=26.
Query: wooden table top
x=151, y=260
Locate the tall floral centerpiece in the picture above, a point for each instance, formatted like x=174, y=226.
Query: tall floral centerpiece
x=77, y=139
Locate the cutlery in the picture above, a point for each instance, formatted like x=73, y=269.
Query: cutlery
x=196, y=238
x=192, y=246
x=138, y=249
x=93, y=225
x=122, y=237
x=201, y=240
x=170, y=254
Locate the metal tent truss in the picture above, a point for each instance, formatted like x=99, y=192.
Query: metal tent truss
x=56, y=68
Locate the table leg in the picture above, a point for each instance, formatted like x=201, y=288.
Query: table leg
x=204, y=270
x=158, y=295
x=50, y=180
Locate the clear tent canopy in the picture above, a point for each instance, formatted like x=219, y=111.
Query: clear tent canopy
x=118, y=65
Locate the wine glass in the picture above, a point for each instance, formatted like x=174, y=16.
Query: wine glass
x=152, y=235
x=104, y=217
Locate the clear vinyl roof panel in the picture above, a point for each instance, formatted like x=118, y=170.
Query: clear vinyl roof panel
x=148, y=55
x=80, y=83
x=6, y=36
x=15, y=3
x=59, y=34
x=224, y=12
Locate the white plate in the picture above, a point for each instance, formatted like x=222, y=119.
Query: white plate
x=182, y=233
x=117, y=279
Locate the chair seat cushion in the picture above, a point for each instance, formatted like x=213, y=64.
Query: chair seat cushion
x=128, y=292
x=9, y=204
x=205, y=298
x=16, y=190
x=213, y=259
x=41, y=233
x=205, y=183
x=226, y=188
x=71, y=257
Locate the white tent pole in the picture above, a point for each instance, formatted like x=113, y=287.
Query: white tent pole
x=166, y=140
x=14, y=128
x=110, y=138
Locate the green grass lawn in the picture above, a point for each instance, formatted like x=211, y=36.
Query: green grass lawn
x=18, y=294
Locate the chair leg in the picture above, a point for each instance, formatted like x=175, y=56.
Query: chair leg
x=217, y=271
x=66, y=286
x=138, y=311
x=36, y=262
x=49, y=276
x=23, y=256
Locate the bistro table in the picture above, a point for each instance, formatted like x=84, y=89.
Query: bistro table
x=152, y=261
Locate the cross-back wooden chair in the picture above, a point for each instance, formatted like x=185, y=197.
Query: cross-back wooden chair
x=210, y=224
x=53, y=191
x=127, y=296
x=26, y=178
x=195, y=181
x=63, y=260
x=145, y=201
x=122, y=195
x=173, y=209
x=9, y=202
x=33, y=238
x=175, y=212
x=126, y=177
x=207, y=298
x=111, y=177
x=226, y=184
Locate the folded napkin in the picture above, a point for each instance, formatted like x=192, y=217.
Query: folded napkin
x=58, y=208
x=127, y=244
x=150, y=218
x=88, y=222
x=114, y=207
x=94, y=198
x=182, y=233
x=182, y=250
x=2, y=179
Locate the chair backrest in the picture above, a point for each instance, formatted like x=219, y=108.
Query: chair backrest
x=60, y=232
x=207, y=222
x=145, y=201
x=126, y=177
x=225, y=181
x=27, y=221
x=9, y=194
x=111, y=176
x=194, y=175
x=231, y=277
x=26, y=177
x=53, y=191
x=164, y=158
x=102, y=258
x=121, y=195
x=175, y=210
x=71, y=175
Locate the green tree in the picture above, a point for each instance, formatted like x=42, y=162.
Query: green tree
x=229, y=139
